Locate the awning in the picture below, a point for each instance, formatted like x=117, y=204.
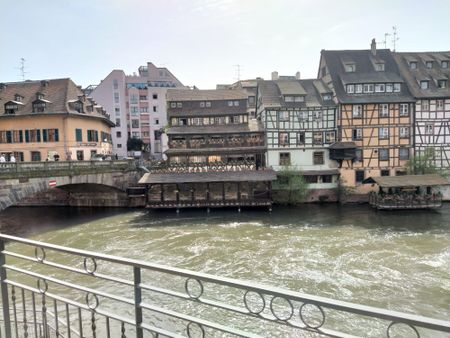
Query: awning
x=407, y=181
x=225, y=176
x=343, y=145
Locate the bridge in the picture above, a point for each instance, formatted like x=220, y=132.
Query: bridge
x=54, y=291
x=77, y=183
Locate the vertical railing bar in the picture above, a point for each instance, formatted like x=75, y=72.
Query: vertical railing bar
x=44, y=317
x=25, y=325
x=33, y=303
x=80, y=322
x=13, y=297
x=108, y=331
x=4, y=288
x=68, y=321
x=137, y=301
x=55, y=309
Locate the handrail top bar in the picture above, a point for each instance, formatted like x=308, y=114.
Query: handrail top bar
x=252, y=286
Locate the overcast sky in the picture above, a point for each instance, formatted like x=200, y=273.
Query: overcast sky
x=201, y=41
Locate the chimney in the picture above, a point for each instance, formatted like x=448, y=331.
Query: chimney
x=297, y=75
x=274, y=75
x=44, y=83
x=373, y=47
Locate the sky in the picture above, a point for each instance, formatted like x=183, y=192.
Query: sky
x=201, y=41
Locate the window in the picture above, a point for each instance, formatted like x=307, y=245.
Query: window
x=208, y=104
x=350, y=67
x=368, y=88
x=429, y=64
x=119, y=145
x=133, y=99
x=33, y=135
x=134, y=111
x=79, y=107
x=285, y=159
x=155, y=109
x=78, y=135
x=379, y=67
x=115, y=84
x=145, y=134
x=429, y=129
x=116, y=97
x=318, y=158
x=424, y=84
x=230, y=103
x=179, y=105
x=425, y=105
x=11, y=108
x=444, y=64
x=80, y=155
x=356, y=134
x=413, y=64
x=327, y=179
x=383, y=110
x=385, y=172
x=404, y=109
x=143, y=109
x=442, y=84
x=142, y=97
x=330, y=136
x=389, y=87
x=383, y=154
x=173, y=104
x=202, y=104
x=35, y=156
x=358, y=155
x=236, y=103
x=311, y=179
x=440, y=104
x=303, y=115
x=156, y=121
x=350, y=89
x=118, y=134
x=92, y=135
x=236, y=119
x=358, y=88
x=318, y=138
x=283, y=139
x=404, y=132
x=251, y=100
x=300, y=138
x=357, y=111
x=317, y=115
x=359, y=176
x=155, y=97
x=136, y=134
x=117, y=111
x=383, y=133
x=299, y=98
x=283, y=116
x=379, y=88
x=117, y=122
x=403, y=153
x=39, y=106
x=397, y=87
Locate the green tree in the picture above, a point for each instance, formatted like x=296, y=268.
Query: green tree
x=291, y=187
x=135, y=144
x=422, y=164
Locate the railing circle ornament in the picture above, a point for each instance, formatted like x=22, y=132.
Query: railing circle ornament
x=277, y=316
x=39, y=253
x=304, y=321
x=42, y=285
x=247, y=295
x=90, y=268
x=388, y=331
x=192, y=328
x=188, y=287
x=89, y=297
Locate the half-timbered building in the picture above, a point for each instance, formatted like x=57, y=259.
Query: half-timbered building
x=375, y=114
x=299, y=117
x=427, y=76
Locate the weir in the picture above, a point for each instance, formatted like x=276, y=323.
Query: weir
x=168, y=302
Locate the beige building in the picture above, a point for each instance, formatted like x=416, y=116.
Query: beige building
x=51, y=119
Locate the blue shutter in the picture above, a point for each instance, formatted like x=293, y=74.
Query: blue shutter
x=27, y=136
x=20, y=136
x=8, y=136
x=44, y=135
x=56, y=135
x=38, y=135
x=78, y=135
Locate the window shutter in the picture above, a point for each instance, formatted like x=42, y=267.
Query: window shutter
x=78, y=135
x=20, y=136
x=8, y=137
x=56, y=135
x=38, y=135
x=44, y=135
x=27, y=136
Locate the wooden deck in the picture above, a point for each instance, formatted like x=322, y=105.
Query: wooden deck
x=399, y=202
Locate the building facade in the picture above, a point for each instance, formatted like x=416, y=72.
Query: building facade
x=427, y=76
x=137, y=105
x=375, y=114
x=299, y=117
x=51, y=120
x=209, y=126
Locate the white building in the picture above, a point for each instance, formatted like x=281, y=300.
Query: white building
x=137, y=105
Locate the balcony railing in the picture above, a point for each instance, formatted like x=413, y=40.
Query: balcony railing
x=215, y=143
x=405, y=201
x=55, y=291
x=165, y=168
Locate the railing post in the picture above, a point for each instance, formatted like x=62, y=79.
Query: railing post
x=4, y=288
x=137, y=301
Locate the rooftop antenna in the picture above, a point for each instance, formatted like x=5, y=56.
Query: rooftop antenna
x=22, y=68
x=395, y=38
x=385, y=39
x=238, y=72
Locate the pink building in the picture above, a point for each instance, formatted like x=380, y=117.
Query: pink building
x=137, y=105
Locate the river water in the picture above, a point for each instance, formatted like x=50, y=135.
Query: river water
x=394, y=260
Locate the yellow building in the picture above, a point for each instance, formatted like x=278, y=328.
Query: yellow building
x=51, y=120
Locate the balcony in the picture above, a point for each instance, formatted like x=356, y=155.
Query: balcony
x=217, y=143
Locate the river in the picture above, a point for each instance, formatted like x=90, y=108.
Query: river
x=395, y=260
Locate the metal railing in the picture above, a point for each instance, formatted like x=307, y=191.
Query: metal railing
x=50, y=168
x=99, y=295
x=204, y=167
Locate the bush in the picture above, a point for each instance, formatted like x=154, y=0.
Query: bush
x=290, y=187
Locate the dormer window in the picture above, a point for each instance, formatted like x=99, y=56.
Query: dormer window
x=429, y=64
x=350, y=67
x=442, y=84
x=326, y=97
x=78, y=106
x=413, y=65
x=40, y=96
x=11, y=108
x=39, y=106
x=379, y=67
x=291, y=98
x=424, y=84
x=444, y=64
x=350, y=88
x=380, y=88
x=18, y=98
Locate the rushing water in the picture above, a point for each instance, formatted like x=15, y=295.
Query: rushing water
x=394, y=260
